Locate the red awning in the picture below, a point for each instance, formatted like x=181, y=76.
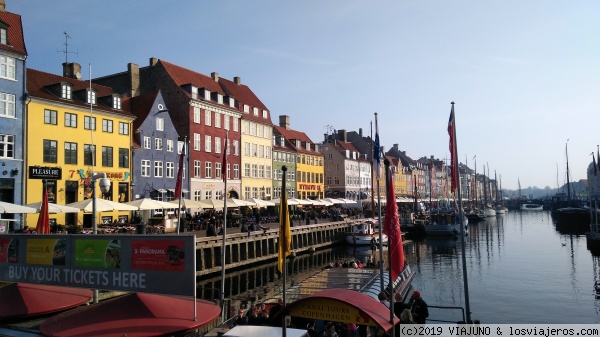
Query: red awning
x=25, y=300
x=131, y=315
x=365, y=305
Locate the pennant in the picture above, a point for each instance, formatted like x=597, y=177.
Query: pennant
x=453, y=159
x=224, y=168
x=285, y=234
x=180, y=173
x=391, y=228
x=597, y=156
x=377, y=152
x=595, y=166
x=43, y=223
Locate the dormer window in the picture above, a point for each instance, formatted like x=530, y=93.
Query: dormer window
x=307, y=146
x=3, y=34
x=219, y=98
x=65, y=91
x=265, y=114
x=232, y=102
x=282, y=141
x=91, y=97
x=207, y=94
x=160, y=124
x=194, y=92
x=246, y=108
x=298, y=143
x=116, y=102
x=255, y=111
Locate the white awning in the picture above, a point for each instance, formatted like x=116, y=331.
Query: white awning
x=161, y=190
x=172, y=190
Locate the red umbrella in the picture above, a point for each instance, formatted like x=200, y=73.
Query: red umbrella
x=43, y=224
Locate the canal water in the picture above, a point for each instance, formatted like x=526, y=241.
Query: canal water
x=520, y=270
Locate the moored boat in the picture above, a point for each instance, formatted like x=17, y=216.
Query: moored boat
x=532, y=207
x=365, y=233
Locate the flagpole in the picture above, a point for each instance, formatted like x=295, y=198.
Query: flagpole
x=377, y=159
x=284, y=242
x=461, y=215
x=224, y=238
x=179, y=182
x=390, y=276
x=372, y=178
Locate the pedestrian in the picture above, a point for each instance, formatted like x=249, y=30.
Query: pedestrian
x=383, y=299
x=418, y=308
x=240, y=319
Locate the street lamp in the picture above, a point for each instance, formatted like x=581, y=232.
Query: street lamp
x=104, y=187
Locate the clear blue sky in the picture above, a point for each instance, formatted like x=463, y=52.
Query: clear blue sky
x=525, y=75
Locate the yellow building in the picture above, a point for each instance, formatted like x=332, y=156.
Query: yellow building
x=257, y=148
x=309, y=161
x=62, y=131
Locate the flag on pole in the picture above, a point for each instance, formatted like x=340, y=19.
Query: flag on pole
x=180, y=173
x=377, y=152
x=391, y=228
x=453, y=159
x=43, y=223
x=224, y=169
x=597, y=156
x=595, y=166
x=285, y=235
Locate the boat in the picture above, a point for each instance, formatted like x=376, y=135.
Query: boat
x=572, y=216
x=364, y=233
x=445, y=224
x=475, y=216
x=532, y=207
x=489, y=212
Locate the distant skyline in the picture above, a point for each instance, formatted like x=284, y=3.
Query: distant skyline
x=524, y=74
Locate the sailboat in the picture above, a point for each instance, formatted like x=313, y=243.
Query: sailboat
x=488, y=211
x=500, y=209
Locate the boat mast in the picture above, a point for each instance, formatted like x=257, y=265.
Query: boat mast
x=568, y=180
x=476, y=182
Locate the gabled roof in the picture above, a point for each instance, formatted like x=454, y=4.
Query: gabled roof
x=141, y=107
x=244, y=95
x=15, y=39
x=38, y=83
x=183, y=76
x=292, y=135
x=342, y=147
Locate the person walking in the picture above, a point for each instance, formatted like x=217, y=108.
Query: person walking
x=418, y=308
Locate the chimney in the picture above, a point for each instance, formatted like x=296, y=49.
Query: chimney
x=404, y=153
x=395, y=146
x=382, y=150
x=284, y=121
x=360, y=132
x=2, y=6
x=153, y=61
x=215, y=76
x=342, y=136
x=134, y=79
x=237, y=80
x=71, y=70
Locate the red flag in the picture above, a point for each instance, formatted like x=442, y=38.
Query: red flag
x=224, y=169
x=391, y=228
x=180, y=173
x=453, y=159
x=43, y=224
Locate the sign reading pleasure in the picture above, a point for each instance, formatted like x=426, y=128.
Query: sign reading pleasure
x=140, y=263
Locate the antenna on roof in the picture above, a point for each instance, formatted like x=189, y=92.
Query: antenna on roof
x=66, y=51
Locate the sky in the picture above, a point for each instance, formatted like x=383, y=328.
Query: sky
x=524, y=75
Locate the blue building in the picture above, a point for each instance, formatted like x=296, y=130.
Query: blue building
x=12, y=102
x=156, y=150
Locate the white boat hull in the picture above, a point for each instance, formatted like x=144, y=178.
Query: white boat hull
x=444, y=229
x=364, y=240
x=489, y=212
x=532, y=207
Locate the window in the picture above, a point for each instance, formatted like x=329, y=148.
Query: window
x=158, y=144
x=218, y=172
x=117, y=102
x=147, y=142
x=255, y=192
x=207, y=117
x=70, y=120
x=196, y=115
x=265, y=114
x=66, y=91
x=197, y=141
x=236, y=171
x=158, y=169
x=261, y=171
x=207, y=94
x=228, y=171
x=252, y=129
x=207, y=195
x=267, y=152
x=217, y=145
x=268, y=172
x=91, y=97
x=124, y=158
x=261, y=151
x=236, y=148
x=247, y=192
x=123, y=128
x=254, y=150
x=50, y=116
x=246, y=108
x=145, y=168
x=50, y=147
x=3, y=35
x=236, y=124
x=70, y=153
x=170, y=169
x=207, y=143
x=160, y=124
x=197, y=168
x=254, y=170
x=7, y=105
x=246, y=127
x=255, y=111
x=170, y=145
x=246, y=149
x=107, y=125
x=7, y=67
x=88, y=155
x=89, y=123
x=226, y=120
x=246, y=170
x=207, y=169
x=217, y=120
x=107, y=156
x=197, y=195
x=7, y=146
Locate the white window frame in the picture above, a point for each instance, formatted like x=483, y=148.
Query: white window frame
x=145, y=168
x=197, y=168
x=208, y=169
x=123, y=128
x=236, y=124
x=158, y=144
x=196, y=115
x=158, y=169
x=170, y=169
x=147, y=142
x=8, y=146
x=170, y=145
x=117, y=102
x=7, y=105
x=197, y=142
x=207, y=143
x=66, y=91
x=8, y=67
x=217, y=120
x=226, y=122
x=236, y=148
x=160, y=124
x=236, y=171
x=208, y=118
x=217, y=145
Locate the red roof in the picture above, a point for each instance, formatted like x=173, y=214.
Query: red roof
x=132, y=315
x=244, y=95
x=26, y=300
x=292, y=135
x=15, y=40
x=38, y=83
x=183, y=76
